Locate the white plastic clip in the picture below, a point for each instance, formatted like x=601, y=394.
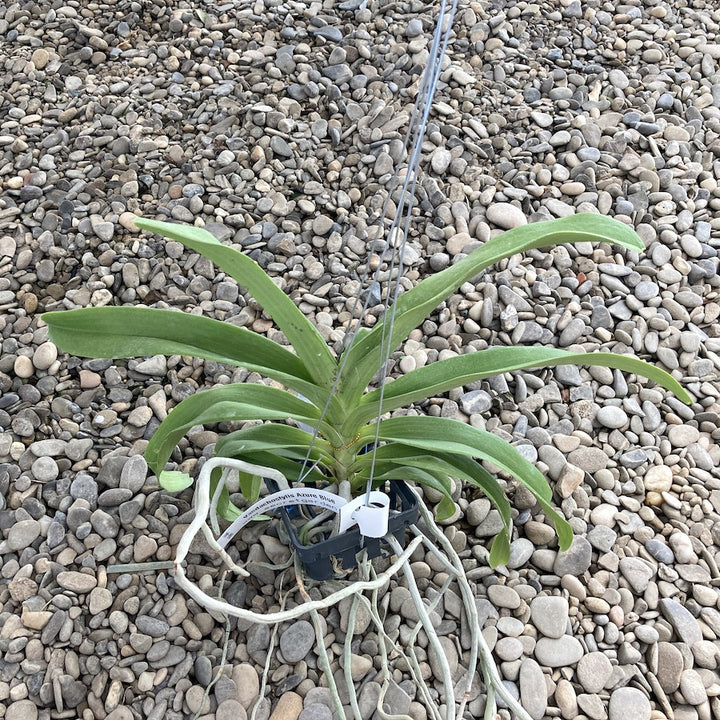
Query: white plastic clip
x=372, y=519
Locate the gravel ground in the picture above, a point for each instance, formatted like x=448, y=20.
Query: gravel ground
x=277, y=124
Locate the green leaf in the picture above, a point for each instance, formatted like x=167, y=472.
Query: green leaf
x=445, y=509
x=300, y=332
x=365, y=355
x=121, y=332
x=225, y=507
x=250, y=486
x=439, y=482
x=235, y=402
x=444, y=435
x=500, y=550
x=471, y=367
x=289, y=466
x=459, y=466
x=174, y=480
x=281, y=439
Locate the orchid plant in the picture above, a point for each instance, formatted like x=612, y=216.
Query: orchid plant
x=329, y=413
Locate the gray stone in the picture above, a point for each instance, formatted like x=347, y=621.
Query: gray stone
x=550, y=615
x=316, y=711
x=592, y=706
x=23, y=534
x=203, y=670
x=48, y=448
x=368, y=700
x=104, y=230
x=21, y=710
x=414, y=28
x=575, y=560
x=104, y=524
x=533, y=689
x=156, y=366
x=602, y=538
x=449, y=656
x=440, y=160
x=572, y=332
x=76, y=581
x=476, y=401
x=339, y=74
x=280, y=146
x=590, y=459
x=503, y=596
x=152, y=626
x=637, y=572
x=258, y=638
x=692, y=688
x=134, y=473
x=230, y=709
x=506, y=215
x=660, y=551
x=681, y=436
x=594, y=671
x=558, y=652
x=297, y=641
x=670, y=665
x=612, y=416
x=319, y=695
x=521, y=551
x=508, y=649
x=383, y=165
x=629, y=703
x=397, y=701
x=174, y=656
x=45, y=469
x=686, y=626
x=645, y=290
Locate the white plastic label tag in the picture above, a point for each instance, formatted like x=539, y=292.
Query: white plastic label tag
x=371, y=519
x=283, y=498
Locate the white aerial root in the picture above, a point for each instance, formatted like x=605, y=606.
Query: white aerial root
x=199, y=524
x=491, y=677
x=434, y=541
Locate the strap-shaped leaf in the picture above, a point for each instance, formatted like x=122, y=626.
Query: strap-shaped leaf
x=439, y=482
x=460, y=466
x=287, y=464
x=121, y=332
x=250, y=486
x=464, y=369
x=300, y=332
x=223, y=404
x=284, y=439
x=412, y=307
x=225, y=507
x=451, y=436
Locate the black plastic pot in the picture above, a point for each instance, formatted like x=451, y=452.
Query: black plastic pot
x=324, y=559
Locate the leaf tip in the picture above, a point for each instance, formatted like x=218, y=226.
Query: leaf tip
x=500, y=550
x=174, y=480
x=685, y=396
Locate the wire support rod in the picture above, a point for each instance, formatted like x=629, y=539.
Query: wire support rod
x=413, y=137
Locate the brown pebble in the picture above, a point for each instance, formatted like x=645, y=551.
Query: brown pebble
x=40, y=58
x=89, y=379
x=35, y=620
x=289, y=707
x=30, y=302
